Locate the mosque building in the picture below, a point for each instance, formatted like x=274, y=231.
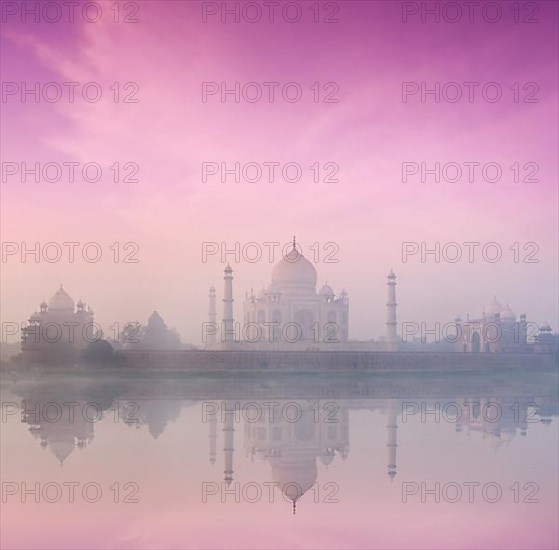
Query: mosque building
x=292, y=300
x=59, y=329
x=291, y=314
x=497, y=330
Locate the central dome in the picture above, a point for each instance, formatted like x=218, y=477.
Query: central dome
x=294, y=270
x=61, y=301
x=494, y=307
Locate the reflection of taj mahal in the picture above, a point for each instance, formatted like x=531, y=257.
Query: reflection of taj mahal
x=292, y=448
x=297, y=438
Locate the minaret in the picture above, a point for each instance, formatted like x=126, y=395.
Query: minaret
x=212, y=317
x=391, y=324
x=213, y=437
x=228, y=449
x=392, y=444
x=228, y=327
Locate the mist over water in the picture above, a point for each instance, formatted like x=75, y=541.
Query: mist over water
x=190, y=461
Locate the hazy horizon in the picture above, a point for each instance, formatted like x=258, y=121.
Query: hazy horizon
x=368, y=134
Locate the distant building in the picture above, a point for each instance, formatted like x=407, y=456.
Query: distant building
x=497, y=330
x=59, y=330
x=154, y=336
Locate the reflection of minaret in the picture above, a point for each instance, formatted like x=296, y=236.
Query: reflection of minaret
x=228, y=431
x=213, y=437
x=391, y=325
x=392, y=443
x=212, y=317
x=228, y=323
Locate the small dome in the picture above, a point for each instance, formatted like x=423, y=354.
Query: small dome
x=61, y=301
x=35, y=317
x=294, y=270
x=507, y=314
x=80, y=304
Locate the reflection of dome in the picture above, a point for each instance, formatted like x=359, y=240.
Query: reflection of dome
x=61, y=301
x=493, y=307
x=61, y=446
x=507, y=314
x=294, y=270
x=294, y=478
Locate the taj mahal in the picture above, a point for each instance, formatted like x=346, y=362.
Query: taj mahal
x=290, y=314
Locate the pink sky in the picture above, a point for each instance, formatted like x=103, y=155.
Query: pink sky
x=368, y=133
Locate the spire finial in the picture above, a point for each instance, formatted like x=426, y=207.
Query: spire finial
x=294, y=507
x=294, y=243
